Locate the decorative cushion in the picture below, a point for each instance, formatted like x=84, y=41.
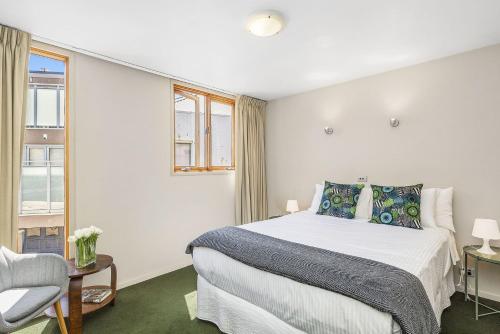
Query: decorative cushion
x=398, y=206
x=5, y=274
x=19, y=303
x=339, y=200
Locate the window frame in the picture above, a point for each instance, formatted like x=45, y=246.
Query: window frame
x=61, y=56
x=187, y=92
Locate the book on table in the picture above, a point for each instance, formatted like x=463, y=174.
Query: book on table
x=95, y=295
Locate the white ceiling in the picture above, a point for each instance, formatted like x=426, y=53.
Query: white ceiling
x=324, y=41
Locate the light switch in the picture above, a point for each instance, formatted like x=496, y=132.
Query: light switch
x=363, y=179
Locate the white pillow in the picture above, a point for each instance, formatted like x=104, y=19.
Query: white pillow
x=444, y=208
x=365, y=204
x=452, y=245
x=428, y=207
x=316, y=201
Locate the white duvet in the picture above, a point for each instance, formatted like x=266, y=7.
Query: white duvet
x=424, y=253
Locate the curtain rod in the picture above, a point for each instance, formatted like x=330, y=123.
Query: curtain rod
x=52, y=42
x=123, y=62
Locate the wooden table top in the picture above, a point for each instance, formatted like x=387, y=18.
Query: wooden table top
x=102, y=262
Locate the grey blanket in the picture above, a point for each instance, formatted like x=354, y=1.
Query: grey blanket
x=383, y=287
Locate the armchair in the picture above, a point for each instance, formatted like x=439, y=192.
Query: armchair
x=29, y=284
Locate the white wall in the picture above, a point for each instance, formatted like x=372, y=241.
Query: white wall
x=121, y=180
x=449, y=136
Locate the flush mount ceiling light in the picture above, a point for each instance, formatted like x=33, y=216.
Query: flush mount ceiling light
x=265, y=24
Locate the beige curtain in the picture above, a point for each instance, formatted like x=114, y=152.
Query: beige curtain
x=14, y=56
x=251, y=192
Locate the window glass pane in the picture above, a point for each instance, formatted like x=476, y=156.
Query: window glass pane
x=57, y=189
x=44, y=64
x=183, y=154
x=56, y=156
x=62, y=106
x=34, y=189
x=185, y=129
x=202, y=129
x=222, y=124
x=30, y=112
x=36, y=156
x=46, y=107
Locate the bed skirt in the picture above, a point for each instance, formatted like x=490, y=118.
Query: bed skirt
x=234, y=315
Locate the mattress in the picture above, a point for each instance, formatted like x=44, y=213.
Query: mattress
x=424, y=253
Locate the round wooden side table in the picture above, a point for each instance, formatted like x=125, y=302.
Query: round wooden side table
x=71, y=303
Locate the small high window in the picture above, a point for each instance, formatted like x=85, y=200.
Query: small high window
x=204, y=131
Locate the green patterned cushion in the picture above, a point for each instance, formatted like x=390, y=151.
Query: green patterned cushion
x=398, y=206
x=339, y=200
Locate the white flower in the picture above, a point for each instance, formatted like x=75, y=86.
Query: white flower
x=96, y=230
x=87, y=232
x=79, y=234
x=71, y=238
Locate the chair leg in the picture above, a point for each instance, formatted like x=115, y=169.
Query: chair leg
x=60, y=317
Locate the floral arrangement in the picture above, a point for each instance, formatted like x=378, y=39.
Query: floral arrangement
x=85, y=240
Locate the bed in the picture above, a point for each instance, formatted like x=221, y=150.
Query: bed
x=239, y=298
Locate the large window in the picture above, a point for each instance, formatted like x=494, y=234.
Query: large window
x=43, y=191
x=204, y=131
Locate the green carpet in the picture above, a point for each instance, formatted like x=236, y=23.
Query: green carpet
x=165, y=304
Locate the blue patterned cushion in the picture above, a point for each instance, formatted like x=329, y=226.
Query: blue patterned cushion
x=398, y=206
x=339, y=200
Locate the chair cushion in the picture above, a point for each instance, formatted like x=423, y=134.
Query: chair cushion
x=5, y=273
x=16, y=304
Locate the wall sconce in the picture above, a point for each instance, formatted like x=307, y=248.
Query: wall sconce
x=328, y=130
x=394, y=122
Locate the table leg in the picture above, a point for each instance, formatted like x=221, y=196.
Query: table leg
x=113, y=282
x=477, y=288
x=75, y=305
x=465, y=278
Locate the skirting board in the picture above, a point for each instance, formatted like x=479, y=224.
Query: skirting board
x=148, y=276
x=483, y=294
